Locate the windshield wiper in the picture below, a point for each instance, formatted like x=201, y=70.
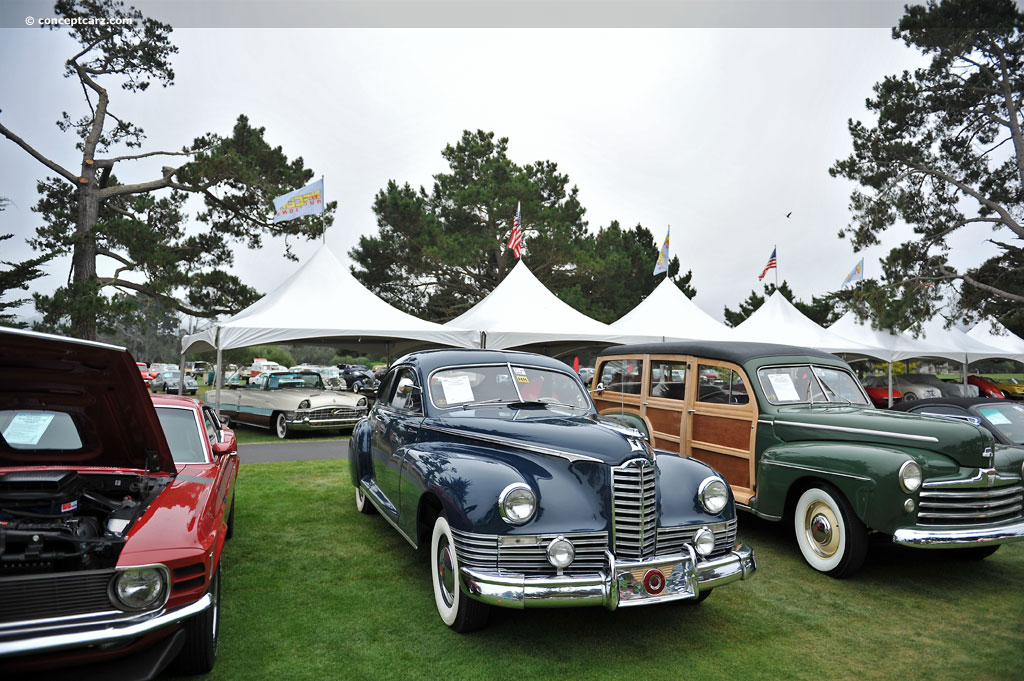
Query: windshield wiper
x=541, y=403
x=493, y=400
x=834, y=393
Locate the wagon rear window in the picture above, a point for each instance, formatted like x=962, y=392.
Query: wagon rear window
x=27, y=429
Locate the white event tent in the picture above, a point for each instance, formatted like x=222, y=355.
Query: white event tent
x=521, y=311
x=991, y=332
x=778, y=321
x=323, y=303
x=957, y=344
x=889, y=346
x=669, y=315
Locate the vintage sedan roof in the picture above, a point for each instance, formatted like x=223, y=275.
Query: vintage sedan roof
x=98, y=385
x=731, y=351
x=429, y=360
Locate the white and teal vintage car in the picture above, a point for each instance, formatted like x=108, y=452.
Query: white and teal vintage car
x=286, y=401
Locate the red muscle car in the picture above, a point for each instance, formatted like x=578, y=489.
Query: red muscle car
x=114, y=509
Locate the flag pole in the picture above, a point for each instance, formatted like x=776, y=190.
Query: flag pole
x=775, y=250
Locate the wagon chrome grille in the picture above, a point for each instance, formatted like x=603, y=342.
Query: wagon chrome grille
x=970, y=505
x=527, y=554
x=672, y=539
x=38, y=597
x=634, y=502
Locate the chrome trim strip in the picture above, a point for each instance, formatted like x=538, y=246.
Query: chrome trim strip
x=517, y=591
x=959, y=538
x=106, y=633
x=813, y=470
x=385, y=514
x=508, y=442
x=984, y=477
x=766, y=516
x=864, y=431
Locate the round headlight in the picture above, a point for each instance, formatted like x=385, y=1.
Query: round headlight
x=304, y=404
x=704, y=541
x=561, y=552
x=139, y=588
x=713, y=494
x=361, y=402
x=516, y=503
x=910, y=477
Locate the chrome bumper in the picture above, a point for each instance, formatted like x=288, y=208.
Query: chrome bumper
x=612, y=589
x=960, y=538
x=102, y=633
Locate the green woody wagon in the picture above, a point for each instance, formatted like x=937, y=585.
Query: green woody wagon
x=793, y=432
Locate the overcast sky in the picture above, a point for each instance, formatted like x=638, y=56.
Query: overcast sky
x=716, y=131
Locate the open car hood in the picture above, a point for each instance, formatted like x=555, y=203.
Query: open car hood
x=97, y=385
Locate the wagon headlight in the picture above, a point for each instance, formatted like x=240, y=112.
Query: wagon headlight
x=141, y=588
x=517, y=503
x=304, y=404
x=910, y=477
x=713, y=495
x=361, y=402
x=561, y=553
x=704, y=541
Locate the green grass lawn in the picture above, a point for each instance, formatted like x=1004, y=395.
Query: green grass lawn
x=314, y=590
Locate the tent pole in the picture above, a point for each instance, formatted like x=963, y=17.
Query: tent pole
x=181, y=372
x=388, y=347
x=483, y=339
x=890, y=383
x=965, y=374
x=218, y=373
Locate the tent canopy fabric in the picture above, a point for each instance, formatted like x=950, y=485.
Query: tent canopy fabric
x=778, y=321
x=957, y=344
x=521, y=311
x=888, y=346
x=323, y=302
x=991, y=332
x=669, y=314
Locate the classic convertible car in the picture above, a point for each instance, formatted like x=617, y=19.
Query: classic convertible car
x=796, y=437
x=498, y=462
x=113, y=515
x=287, y=401
x=1003, y=418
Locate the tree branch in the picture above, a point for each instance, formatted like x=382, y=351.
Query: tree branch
x=992, y=289
x=66, y=174
x=103, y=162
x=1007, y=219
x=176, y=304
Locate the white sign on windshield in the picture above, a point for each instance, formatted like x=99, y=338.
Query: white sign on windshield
x=456, y=389
x=783, y=386
x=26, y=428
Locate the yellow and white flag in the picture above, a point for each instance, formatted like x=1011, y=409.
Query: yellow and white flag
x=306, y=201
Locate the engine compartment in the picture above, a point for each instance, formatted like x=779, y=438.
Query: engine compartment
x=61, y=520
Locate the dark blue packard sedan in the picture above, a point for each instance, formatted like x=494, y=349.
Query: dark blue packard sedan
x=499, y=463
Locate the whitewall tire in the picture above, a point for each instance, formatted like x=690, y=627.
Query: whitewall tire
x=831, y=537
x=457, y=610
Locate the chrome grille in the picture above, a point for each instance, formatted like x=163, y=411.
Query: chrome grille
x=672, y=539
x=333, y=413
x=634, y=500
x=47, y=596
x=970, y=505
x=529, y=555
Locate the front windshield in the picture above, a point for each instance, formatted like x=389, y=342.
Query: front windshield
x=182, y=433
x=807, y=384
x=296, y=379
x=466, y=386
x=1007, y=418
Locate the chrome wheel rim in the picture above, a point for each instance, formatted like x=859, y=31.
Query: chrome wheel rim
x=446, y=571
x=822, y=529
x=282, y=427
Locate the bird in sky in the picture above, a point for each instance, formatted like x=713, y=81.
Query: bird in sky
x=789, y=213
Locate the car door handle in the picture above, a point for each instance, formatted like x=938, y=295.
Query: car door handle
x=691, y=411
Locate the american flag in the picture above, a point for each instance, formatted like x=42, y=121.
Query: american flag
x=769, y=266
x=515, y=242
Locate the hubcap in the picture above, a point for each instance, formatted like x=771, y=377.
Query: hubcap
x=822, y=529
x=446, y=572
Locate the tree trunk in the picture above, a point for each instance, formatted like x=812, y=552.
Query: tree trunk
x=83, y=260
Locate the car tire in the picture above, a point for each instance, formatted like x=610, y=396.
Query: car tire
x=202, y=636
x=909, y=397
x=700, y=598
x=363, y=504
x=281, y=425
x=461, y=613
x=230, y=531
x=831, y=537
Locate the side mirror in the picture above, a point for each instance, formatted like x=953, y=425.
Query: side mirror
x=227, y=444
x=599, y=388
